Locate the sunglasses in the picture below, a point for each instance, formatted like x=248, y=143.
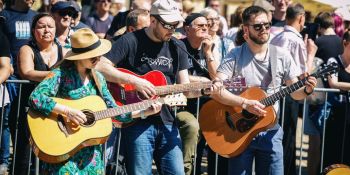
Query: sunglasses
x=259, y=27
x=201, y=26
x=64, y=13
x=165, y=25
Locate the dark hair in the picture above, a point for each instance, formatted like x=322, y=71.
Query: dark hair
x=36, y=18
x=133, y=16
x=236, y=18
x=346, y=36
x=325, y=20
x=239, y=40
x=252, y=11
x=294, y=10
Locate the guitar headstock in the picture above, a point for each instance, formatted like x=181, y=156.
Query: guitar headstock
x=235, y=83
x=326, y=70
x=175, y=100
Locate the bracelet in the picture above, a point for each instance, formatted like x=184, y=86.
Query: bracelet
x=308, y=93
x=203, y=93
x=142, y=114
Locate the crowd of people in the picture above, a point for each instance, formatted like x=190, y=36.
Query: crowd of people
x=71, y=49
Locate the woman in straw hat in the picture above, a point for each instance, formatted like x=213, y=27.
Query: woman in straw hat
x=76, y=78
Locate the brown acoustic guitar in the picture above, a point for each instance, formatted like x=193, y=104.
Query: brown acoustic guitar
x=228, y=130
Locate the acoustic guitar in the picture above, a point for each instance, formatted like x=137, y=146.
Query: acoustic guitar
x=127, y=93
x=55, y=140
x=228, y=130
x=337, y=169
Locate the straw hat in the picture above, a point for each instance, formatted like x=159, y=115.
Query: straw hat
x=86, y=44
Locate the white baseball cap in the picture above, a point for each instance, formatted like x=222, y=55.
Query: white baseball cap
x=168, y=10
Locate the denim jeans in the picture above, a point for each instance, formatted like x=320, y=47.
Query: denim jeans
x=267, y=150
x=145, y=141
x=5, y=137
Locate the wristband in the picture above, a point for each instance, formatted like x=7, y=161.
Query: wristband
x=308, y=93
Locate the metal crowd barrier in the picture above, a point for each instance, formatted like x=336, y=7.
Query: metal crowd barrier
x=305, y=112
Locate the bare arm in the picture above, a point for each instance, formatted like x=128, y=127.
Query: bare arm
x=106, y=67
x=5, y=69
x=26, y=65
x=334, y=83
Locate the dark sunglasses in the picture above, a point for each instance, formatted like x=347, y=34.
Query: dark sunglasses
x=201, y=26
x=64, y=13
x=259, y=27
x=165, y=25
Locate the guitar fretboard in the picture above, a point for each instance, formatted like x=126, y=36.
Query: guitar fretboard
x=270, y=100
x=162, y=90
x=125, y=109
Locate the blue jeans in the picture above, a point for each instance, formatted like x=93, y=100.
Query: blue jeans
x=5, y=137
x=145, y=141
x=267, y=150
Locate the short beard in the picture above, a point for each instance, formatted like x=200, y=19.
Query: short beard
x=256, y=40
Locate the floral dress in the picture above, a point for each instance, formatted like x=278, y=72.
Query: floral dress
x=66, y=83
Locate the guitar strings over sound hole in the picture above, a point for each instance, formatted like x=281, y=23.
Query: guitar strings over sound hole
x=90, y=118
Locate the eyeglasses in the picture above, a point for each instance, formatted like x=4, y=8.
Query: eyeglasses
x=64, y=13
x=259, y=27
x=165, y=25
x=201, y=26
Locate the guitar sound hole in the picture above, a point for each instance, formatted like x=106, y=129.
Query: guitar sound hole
x=244, y=125
x=90, y=118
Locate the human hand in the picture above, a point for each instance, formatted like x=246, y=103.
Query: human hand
x=207, y=45
x=310, y=85
x=216, y=88
x=254, y=107
x=74, y=115
x=155, y=108
x=145, y=87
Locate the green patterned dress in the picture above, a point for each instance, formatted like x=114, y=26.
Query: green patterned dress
x=66, y=83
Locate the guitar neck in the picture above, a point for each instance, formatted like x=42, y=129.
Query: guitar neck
x=270, y=100
x=177, y=88
x=126, y=108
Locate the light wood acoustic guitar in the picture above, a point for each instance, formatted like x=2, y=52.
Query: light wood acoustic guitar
x=127, y=94
x=54, y=139
x=337, y=169
x=228, y=130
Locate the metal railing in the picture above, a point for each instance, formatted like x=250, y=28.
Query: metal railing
x=36, y=171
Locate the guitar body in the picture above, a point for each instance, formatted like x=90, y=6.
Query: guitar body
x=230, y=138
x=52, y=145
x=157, y=78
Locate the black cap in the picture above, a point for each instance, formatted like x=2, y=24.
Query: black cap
x=61, y=5
x=191, y=17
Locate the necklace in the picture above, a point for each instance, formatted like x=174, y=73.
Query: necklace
x=264, y=59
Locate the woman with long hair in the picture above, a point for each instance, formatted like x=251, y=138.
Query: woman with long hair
x=73, y=79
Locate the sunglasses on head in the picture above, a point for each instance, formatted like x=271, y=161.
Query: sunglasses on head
x=63, y=13
x=165, y=25
x=259, y=27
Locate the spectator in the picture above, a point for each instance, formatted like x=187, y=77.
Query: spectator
x=338, y=127
x=76, y=23
x=5, y=72
x=35, y=60
x=215, y=4
x=100, y=21
x=62, y=12
x=119, y=20
x=221, y=45
x=236, y=22
x=314, y=129
x=279, y=15
x=117, y=6
x=303, y=53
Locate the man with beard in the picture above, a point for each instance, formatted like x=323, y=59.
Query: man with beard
x=255, y=61
x=152, y=48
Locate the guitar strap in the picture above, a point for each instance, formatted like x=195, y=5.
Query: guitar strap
x=273, y=61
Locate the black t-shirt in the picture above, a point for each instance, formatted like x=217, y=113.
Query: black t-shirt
x=5, y=46
x=138, y=53
x=328, y=46
x=278, y=23
x=197, y=71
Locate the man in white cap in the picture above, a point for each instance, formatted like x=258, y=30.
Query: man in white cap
x=152, y=48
